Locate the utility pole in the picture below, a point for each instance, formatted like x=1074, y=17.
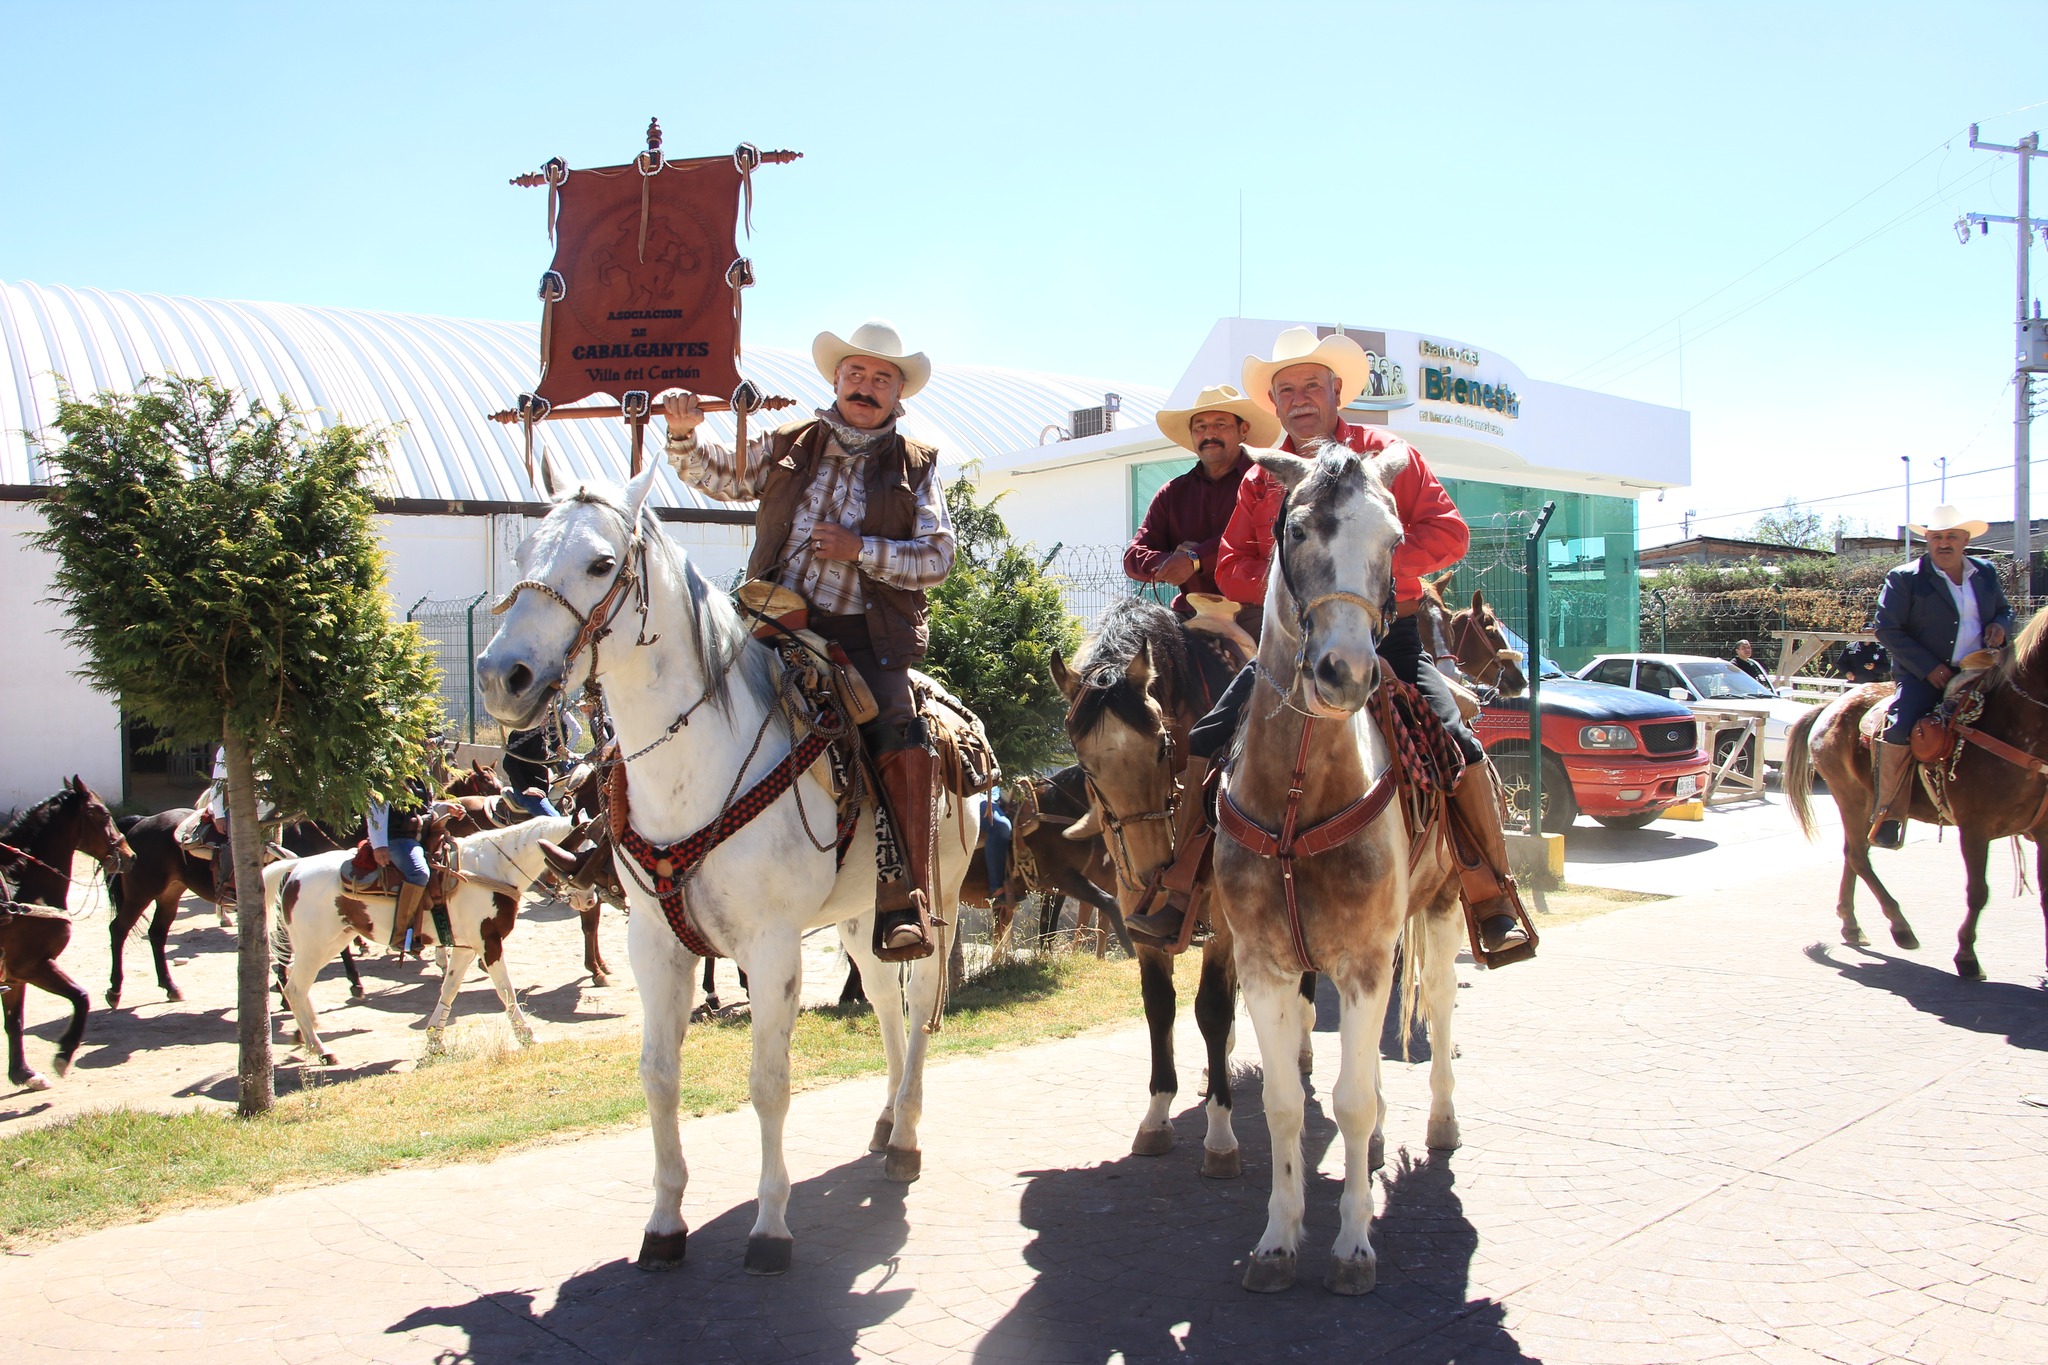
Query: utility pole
x=2030, y=361
x=1906, y=528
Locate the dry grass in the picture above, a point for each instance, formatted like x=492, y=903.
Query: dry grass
x=481, y=1099
x=1569, y=904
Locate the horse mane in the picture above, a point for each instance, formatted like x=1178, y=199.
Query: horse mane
x=31, y=823
x=2022, y=657
x=1131, y=626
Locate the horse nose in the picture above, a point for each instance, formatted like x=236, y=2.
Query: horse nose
x=509, y=678
x=1341, y=684
x=1334, y=673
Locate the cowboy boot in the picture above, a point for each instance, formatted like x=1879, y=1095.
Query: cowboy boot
x=406, y=916
x=1485, y=885
x=1163, y=921
x=903, y=931
x=1894, y=790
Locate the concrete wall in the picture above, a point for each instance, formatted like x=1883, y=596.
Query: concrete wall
x=52, y=725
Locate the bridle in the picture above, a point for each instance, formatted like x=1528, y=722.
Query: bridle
x=1113, y=824
x=1375, y=613
x=1469, y=637
x=630, y=575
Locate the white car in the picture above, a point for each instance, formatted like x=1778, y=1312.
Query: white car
x=1704, y=684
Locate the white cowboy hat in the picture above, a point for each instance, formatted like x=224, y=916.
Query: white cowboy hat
x=1265, y=427
x=877, y=339
x=1948, y=517
x=1344, y=357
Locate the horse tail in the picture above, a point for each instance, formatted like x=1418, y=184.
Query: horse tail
x=1799, y=769
x=274, y=910
x=1414, y=946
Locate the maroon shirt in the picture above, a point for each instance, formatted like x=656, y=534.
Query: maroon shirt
x=1191, y=507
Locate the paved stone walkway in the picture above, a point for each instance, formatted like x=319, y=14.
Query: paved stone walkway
x=1699, y=1130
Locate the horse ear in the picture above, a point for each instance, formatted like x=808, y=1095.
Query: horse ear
x=1385, y=468
x=637, y=490
x=549, y=484
x=1290, y=470
x=1478, y=603
x=1138, y=672
x=1068, y=683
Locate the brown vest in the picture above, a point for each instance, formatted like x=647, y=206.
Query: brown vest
x=897, y=617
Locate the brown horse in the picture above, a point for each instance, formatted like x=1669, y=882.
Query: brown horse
x=162, y=871
x=1471, y=639
x=1992, y=797
x=1315, y=869
x=1135, y=690
x=31, y=937
x=37, y=847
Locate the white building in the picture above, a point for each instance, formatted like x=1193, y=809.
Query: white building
x=457, y=503
x=1502, y=443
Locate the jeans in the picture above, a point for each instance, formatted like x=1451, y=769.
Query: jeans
x=1916, y=698
x=535, y=805
x=995, y=849
x=410, y=860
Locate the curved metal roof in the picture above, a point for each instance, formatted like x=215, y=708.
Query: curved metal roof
x=433, y=381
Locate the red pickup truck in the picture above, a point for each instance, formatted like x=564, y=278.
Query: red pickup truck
x=1616, y=754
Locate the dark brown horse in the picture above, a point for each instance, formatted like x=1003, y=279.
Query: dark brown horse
x=36, y=849
x=1136, y=688
x=1471, y=639
x=163, y=871
x=31, y=937
x=1991, y=796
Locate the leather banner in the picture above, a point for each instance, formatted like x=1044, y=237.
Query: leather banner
x=637, y=297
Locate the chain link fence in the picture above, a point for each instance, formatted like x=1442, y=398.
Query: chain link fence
x=455, y=629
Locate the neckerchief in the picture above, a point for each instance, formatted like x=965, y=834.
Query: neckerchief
x=852, y=439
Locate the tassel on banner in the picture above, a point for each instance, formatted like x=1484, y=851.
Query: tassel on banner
x=649, y=164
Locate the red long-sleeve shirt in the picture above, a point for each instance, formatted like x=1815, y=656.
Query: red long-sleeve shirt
x=1433, y=535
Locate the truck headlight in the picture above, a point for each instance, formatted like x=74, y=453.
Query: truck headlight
x=1607, y=737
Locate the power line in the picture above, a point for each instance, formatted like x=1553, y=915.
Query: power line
x=1629, y=345
x=1758, y=302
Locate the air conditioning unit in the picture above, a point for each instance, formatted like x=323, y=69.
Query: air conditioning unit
x=1094, y=421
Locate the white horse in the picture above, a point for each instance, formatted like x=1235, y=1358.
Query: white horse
x=319, y=913
x=694, y=704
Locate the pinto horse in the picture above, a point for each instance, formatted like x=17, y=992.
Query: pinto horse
x=1314, y=864
x=1136, y=688
x=604, y=595
x=317, y=912
x=1991, y=795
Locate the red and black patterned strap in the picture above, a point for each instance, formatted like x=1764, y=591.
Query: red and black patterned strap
x=669, y=867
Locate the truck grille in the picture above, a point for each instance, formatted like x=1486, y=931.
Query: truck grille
x=1670, y=736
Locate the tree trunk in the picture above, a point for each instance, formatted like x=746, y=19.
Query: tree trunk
x=252, y=923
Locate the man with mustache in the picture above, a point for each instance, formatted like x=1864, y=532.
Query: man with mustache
x=853, y=518
x=1178, y=541
x=1306, y=384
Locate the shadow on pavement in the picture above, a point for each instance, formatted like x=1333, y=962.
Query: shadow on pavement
x=1598, y=844
x=1139, y=1259
x=847, y=1222
x=2019, y=1013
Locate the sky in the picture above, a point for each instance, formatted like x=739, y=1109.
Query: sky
x=1743, y=210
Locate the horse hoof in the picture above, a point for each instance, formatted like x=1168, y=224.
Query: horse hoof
x=880, y=1141
x=1969, y=970
x=768, y=1255
x=36, y=1081
x=113, y=1000
x=1355, y=1276
x=1376, y=1152
x=902, y=1164
x=61, y=1064
x=1152, y=1141
x=174, y=995
x=1443, y=1135
x=1906, y=938
x=1269, y=1273
x=664, y=1250
x=1856, y=938
x=1221, y=1165
x=329, y=1059
x=599, y=980
x=358, y=993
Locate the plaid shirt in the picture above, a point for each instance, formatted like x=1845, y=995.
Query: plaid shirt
x=838, y=495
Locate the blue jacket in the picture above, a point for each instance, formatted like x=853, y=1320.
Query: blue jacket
x=1917, y=620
